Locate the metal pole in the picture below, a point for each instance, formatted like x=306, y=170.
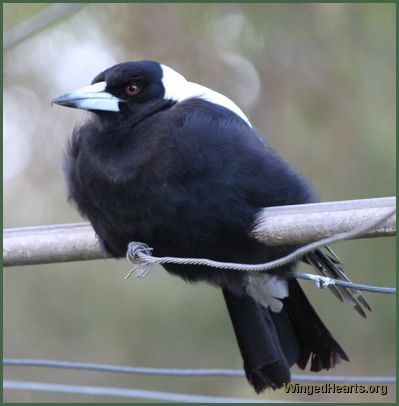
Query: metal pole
x=274, y=226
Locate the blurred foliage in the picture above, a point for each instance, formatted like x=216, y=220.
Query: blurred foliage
x=317, y=79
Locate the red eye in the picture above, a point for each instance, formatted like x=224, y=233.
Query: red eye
x=132, y=89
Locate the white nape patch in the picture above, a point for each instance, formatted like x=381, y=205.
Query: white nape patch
x=267, y=290
x=178, y=88
x=175, y=85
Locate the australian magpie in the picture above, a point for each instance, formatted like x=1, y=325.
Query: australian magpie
x=178, y=166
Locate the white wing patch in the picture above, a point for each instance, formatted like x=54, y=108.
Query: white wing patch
x=267, y=290
x=179, y=89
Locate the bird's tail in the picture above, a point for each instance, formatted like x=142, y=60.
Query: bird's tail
x=326, y=262
x=271, y=342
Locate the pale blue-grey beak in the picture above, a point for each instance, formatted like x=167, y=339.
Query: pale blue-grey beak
x=92, y=97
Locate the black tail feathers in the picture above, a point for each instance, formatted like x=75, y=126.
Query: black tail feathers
x=270, y=343
x=314, y=339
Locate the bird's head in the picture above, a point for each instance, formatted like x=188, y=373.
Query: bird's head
x=123, y=87
x=140, y=89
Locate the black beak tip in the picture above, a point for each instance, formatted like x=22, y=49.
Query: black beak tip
x=56, y=100
x=64, y=101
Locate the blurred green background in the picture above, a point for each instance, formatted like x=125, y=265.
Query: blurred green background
x=317, y=79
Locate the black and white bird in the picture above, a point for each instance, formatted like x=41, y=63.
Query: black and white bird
x=178, y=166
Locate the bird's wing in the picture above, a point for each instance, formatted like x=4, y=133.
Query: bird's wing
x=327, y=263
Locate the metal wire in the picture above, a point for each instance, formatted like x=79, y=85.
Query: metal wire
x=140, y=255
x=323, y=282
x=123, y=392
x=87, y=366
